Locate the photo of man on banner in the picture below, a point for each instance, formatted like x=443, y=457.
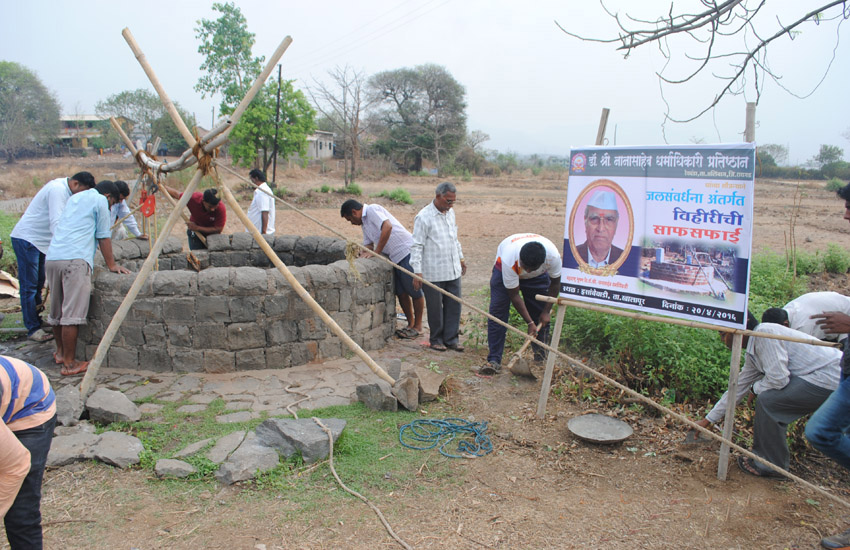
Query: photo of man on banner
x=602, y=222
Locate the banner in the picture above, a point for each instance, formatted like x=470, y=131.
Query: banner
x=661, y=230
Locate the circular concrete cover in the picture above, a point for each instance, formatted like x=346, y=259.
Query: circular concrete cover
x=599, y=428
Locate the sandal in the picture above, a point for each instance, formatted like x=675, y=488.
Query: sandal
x=748, y=466
x=490, y=369
x=438, y=347
x=407, y=333
x=58, y=359
x=78, y=368
x=456, y=347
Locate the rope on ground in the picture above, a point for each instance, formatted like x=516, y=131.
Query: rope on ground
x=576, y=363
x=289, y=407
x=353, y=492
x=433, y=432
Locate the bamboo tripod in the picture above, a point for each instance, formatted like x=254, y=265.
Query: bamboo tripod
x=202, y=152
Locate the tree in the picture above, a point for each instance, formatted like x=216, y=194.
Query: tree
x=422, y=112
x=29, y=112
x=731, y=38
x=171, y=138
x=779, y=153
x=827, y=155
x=476, y=138
x=343, y=103
x=252, y=140
x=226, y=46
x=139, y=107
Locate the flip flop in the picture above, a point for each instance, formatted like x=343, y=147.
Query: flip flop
x=490, y=369
x=58, y=359
x=407, y=333
x=748, y=466
x=438, y=347
x=78, y=368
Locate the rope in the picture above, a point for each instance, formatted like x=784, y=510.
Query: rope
x=578, y=364
x=353, y=492
x=433, y=432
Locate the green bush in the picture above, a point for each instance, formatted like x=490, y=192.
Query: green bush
x=834, y=184
x=772, y=284
x=808, y=263
x=836, y=259
x=280, y=192
x=8, y=262
x=397, y=195
x=353, y=189
x=325, y=189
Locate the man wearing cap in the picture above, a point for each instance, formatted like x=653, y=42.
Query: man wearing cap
x=529, y=263
x=828, y=430
x=31, y=239
x=600, y=224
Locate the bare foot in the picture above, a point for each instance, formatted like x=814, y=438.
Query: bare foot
x=57, y=358
x=77, y=367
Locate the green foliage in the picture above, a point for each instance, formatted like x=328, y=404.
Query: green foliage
x=838, y=170
x=353, y=189
x=280, y=191
x=836, y=259
x=226, y=47
x=252, y=140
x=325, y=189
x=8, y=262
x=29, y=112
x=171, y=138
x=398, y=195
x=834, y=184
x=772, y=283
x=139, y=109
x=827, y=154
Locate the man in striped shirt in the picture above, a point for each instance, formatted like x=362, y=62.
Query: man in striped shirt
x=28, y=410
x=385, y=235
x=789, y=380
x=437, y=257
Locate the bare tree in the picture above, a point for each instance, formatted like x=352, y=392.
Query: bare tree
x=726, y=31
x=476, y=138
x=343, y=103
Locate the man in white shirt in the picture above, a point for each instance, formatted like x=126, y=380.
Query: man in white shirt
x=121, y=211
x=789, y=380
x=262, y=209
x=31, y=239
x=437, y=257
x=529, y=263
x=799, y=313
x=385, y=235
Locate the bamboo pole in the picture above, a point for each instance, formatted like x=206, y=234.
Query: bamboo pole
x=731, y=403
x=683, y=322
x=119, y=222
x=550, y=364
x=300, y=290
x=163, y=96
x=144, y=273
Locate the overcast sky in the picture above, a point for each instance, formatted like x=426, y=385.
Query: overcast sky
x=530, y=87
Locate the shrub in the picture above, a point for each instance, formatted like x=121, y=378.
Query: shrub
x=397, y=195
x=325, y=189
x=836, y=259
x=352, y=189
x=280, y=191
x=834, y=184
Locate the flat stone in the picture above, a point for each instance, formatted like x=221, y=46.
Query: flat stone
x=83, y=427
x=238, y=405
x=290, y=435
x=192, y=448
x=65, y=449
x=69, y=405
x=167, y=467
x=429, y=384
x=251, y=457
x=377, y=396
x=106, y=406
x=118, y=449
x=170, y=396
x=406, y=390
x=191, y=409
x=202, y=398
x=150, y=408
x=224, y=446
x=243, y=416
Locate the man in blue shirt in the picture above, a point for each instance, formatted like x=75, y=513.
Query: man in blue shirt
x=31, y=238
x=69, y=263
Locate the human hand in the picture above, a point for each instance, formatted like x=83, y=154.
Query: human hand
x=833, y=322
x=142, y=237
x=118, y=269
x=192, y=226
x=462, y=268
x=417, y=284
x=532, y=329
x=545, y=317
x=704, y=423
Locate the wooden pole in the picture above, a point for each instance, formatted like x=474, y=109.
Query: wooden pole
x=103, y=347
x=750, y=121
x=550, y=363
x=120, y=221
x=300, y=290
x=163, y=96
x=731, y=403
x=603, y=123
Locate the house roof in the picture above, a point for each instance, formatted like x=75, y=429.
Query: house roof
x=83, y=118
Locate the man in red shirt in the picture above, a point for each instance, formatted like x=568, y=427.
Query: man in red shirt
x=207, y=215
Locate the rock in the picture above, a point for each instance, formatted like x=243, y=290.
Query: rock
x=429, y=384
x=243, y=416
x=406, y=391
x=393, y=368
x=377, y=396
x=66, y=449
x=69, y=405
x=251, y=457
x=193, y=448
x=224, y=446
x=118, y=449
x=288, y=435
x=107, y=406
x=82, y=427
x=168, y=467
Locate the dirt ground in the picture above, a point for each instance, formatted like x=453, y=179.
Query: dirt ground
x=541, y=488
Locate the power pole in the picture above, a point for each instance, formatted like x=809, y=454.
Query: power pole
x=276, y=122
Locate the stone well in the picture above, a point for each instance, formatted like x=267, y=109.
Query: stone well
x=238, y=312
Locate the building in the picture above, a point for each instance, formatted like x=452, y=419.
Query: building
x=77, y=130
x=320, y=145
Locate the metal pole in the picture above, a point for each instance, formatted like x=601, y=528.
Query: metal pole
x=276, y=122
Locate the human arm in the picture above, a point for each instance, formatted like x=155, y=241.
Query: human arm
x=420, y=236
x=218, y=224
x=264, y=217
x=519, y=305
x=748, y=376
x=14, y=467
x=57, y=197
x=833, y=322
x=546, y=312
x=121, y=211
x=386, y=231
x=771, y=357
x=106, y=249
x=171, y=191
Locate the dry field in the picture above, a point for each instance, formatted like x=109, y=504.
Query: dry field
x=540, y=488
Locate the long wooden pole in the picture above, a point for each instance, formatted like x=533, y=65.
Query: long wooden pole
x=300, y=290
x=550, y=363
x=100, y=354
x=731, y=403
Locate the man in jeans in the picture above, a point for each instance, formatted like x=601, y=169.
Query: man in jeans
x=28, y=411
x=31, y=239
x=828, y=428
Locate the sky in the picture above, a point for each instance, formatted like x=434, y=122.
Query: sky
x=529, y=86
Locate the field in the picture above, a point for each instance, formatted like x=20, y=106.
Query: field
x=540, y=488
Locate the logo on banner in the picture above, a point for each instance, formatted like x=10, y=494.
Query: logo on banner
x=578, y=163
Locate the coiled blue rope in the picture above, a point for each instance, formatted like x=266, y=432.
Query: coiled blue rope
x=429, y=433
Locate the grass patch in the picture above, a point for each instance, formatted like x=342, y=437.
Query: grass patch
x=8, y=262
x=397, y=195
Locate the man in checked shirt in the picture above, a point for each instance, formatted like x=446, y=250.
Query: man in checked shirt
x=437, y=257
